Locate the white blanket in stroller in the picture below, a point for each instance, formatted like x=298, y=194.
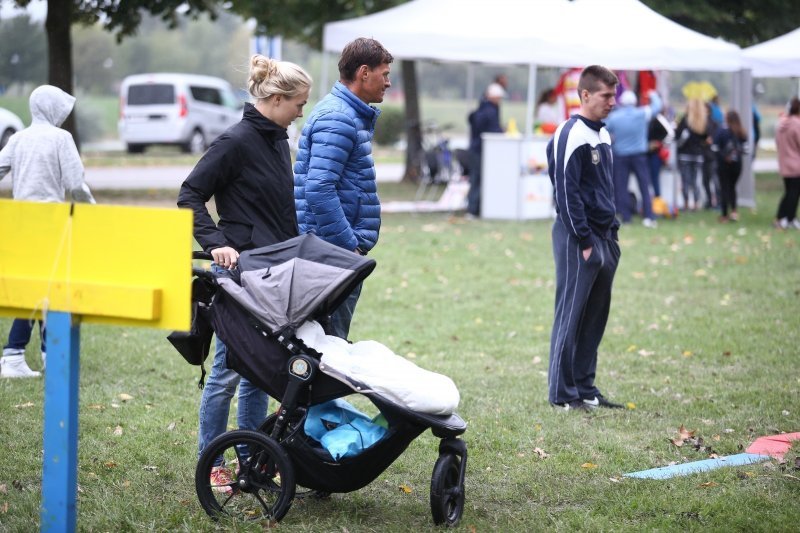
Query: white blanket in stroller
x=382, y=371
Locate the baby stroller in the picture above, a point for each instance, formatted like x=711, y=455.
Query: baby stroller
x=256, y=310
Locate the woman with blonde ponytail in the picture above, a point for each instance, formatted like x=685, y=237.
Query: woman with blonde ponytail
x=248, y=172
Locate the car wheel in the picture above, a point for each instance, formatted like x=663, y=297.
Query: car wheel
x=6, y=136
x=196, y=144
x=135, y=148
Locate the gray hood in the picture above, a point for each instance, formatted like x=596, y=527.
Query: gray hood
x=50, y=105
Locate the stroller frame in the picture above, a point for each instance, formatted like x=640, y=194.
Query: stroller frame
x=265, y=467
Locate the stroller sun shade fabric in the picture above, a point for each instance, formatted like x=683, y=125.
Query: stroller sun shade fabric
x=286, y=283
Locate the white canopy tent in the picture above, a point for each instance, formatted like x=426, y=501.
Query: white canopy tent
x=776, y=58
x=620, y=34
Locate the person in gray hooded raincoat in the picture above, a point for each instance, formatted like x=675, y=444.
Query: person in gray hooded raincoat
x=45, y=166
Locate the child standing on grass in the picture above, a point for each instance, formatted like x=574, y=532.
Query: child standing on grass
x=45, y=165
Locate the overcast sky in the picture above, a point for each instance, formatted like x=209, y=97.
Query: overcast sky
x=37, y=9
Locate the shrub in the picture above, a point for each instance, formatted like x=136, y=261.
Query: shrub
x=391, y=126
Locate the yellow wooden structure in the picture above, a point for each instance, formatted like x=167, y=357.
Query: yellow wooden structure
x=108, y=264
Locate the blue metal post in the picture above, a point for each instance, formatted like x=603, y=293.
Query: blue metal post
x=60, y=470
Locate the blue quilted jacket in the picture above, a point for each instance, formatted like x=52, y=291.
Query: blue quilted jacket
x=335, y=192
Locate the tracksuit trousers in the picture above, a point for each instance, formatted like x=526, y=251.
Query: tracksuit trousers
x=582, y=303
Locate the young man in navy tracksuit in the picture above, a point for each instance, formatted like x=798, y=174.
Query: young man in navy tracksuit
x=585, y=246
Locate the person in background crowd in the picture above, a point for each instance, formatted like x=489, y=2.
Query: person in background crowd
x=692, y=136
x=547, y=112
x=485, y=119
x=628, y=125
x=787, y=140
x=731, y=143
x=659, y=134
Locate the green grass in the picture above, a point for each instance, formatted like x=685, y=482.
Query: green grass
x=703, y=333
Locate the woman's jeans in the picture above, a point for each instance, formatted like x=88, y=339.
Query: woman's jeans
x=216, y=401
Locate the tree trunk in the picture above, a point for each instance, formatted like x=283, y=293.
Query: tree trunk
x=59, y=47
x=413, y=129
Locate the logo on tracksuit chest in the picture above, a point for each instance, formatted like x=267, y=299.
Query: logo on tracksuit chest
x=595, y=156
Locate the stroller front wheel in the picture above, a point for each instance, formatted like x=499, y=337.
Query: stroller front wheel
x=247, y=475
x=447, y=492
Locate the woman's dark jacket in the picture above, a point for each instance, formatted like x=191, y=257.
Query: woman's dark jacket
x=248, y=171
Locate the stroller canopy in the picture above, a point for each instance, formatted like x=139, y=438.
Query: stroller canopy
x=287, y=283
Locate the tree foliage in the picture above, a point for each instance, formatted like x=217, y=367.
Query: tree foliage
x=304, y=20
x=744, y=22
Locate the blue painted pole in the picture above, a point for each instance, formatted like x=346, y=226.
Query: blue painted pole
x=60, y=470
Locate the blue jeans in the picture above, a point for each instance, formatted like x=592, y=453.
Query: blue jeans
x=341, y=318
x=216, y=401
x=623, y=166
x=20, y=334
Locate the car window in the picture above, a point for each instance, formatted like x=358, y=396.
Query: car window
x=209, y=95
x=151, y=93
x=230, y=100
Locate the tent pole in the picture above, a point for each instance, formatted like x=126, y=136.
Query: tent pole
x=531, y=99
x=742, y=102
x=470, y=82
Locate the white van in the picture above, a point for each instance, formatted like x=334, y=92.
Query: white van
x=178, y=109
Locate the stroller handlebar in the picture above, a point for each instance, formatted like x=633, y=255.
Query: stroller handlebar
x=200, y=254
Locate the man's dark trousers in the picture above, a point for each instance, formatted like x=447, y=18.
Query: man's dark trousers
x=583, y=299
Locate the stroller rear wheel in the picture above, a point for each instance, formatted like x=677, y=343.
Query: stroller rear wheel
x=447, y=493
x=253, y=477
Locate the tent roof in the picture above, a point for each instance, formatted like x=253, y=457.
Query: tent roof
x=776, y=58
x=616, y=33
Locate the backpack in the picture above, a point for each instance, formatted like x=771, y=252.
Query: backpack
x=195, y=344
x=733, y=149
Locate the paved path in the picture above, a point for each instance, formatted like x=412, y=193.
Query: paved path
x=171, y=177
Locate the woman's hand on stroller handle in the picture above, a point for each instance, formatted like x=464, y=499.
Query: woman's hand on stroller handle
x=226, y=257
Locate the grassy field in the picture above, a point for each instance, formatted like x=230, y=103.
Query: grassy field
x=704, y=333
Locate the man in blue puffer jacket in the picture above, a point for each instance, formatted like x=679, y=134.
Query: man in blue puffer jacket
x=334, y=176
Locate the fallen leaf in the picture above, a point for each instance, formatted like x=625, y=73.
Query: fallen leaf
x=406, y=489
x=541, y=453
x=785, y=412
x=645, y=353
x=125, y=397
x=23, y=405
x=588, y=465
x=630, y=405
x=537, y=360
x=677, y=442
x=685, y=433
x=708, y=484
x=3, y=489
x=115, y=405
x=687, y=353
x=110, y=464
x=150, y=468
x=171, y=427
x=126, y=483
x=631, y=348
x=96, y=406
x=699, y=273
x=615, y=479
x=118, y=431
x=716, y=437
x=4, y=508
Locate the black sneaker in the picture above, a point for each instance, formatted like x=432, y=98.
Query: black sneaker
x=574, y=405
x=600, y=401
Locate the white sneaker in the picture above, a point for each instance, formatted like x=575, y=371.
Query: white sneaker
x=795, y=224
x=44, y=361
x=14, y=366
x=649, y=223
x=782, y=223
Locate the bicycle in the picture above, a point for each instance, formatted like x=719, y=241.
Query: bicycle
x=437, y=162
